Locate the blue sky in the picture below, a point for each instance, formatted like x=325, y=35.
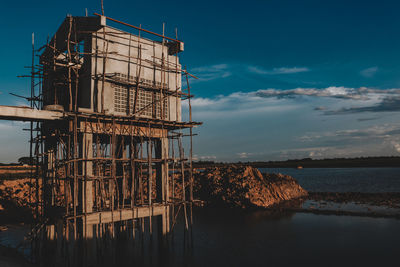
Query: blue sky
x=278, y=79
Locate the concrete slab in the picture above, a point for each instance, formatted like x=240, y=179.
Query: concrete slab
x=28, y=114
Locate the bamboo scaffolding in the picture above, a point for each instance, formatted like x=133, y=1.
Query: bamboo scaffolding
x=119, y=158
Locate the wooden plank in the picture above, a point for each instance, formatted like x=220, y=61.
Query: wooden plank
x=121, y=129
x=125, y=214
x=28, y=114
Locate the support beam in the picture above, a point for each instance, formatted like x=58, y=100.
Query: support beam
x=125, y=214
x=28, y=114
x=120, y=129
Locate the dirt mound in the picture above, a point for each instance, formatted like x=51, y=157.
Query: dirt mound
x=234, y=186
x=15, y=200
x=245, y=186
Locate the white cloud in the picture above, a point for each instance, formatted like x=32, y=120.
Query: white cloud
x=369, y=72
x=204, y=157
x=320, y=152
x=244, y=155
x=355, y=100
x=215, y=67
x=396, y=146
x=209, y=73
x=387, y=103
x=363, y=99
x=282, y=124
x=361, y=93
x=202, y=102
x=381, y=139
x=236, y=104
x=376, y=131
x=276, y=71
x=220, y=71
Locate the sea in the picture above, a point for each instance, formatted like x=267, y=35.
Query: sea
x=366, y=180
x=225, y=237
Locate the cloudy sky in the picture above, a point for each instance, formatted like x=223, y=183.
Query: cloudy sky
x=278, y=79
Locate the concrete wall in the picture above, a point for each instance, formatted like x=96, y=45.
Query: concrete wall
x=122, y=63
x=115, y=53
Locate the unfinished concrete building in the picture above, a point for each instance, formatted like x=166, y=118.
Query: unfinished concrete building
x=107, y=129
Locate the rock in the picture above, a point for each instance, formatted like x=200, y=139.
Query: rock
x=245, y=186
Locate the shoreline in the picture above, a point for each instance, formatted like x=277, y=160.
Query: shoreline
x=373, y=205
x=233, y=186
x=363, y=162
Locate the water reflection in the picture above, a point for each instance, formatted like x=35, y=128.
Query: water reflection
x=224, y=237
x=138, y=242
x=124, y=243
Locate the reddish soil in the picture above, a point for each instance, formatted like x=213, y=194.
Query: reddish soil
x=15, y=199
x=245, y=187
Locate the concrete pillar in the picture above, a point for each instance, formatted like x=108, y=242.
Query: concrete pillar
x=89, y=236
x=88, y=230
x=162, y=170
x=165, y=174
x=49, y=189
x=50, y=230
x=87, y=171
x=165, y=221
x=162, y=185
x=133, y=154
x=121, y=168
x=51, y=175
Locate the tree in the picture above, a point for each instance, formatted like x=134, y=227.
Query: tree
x=26, y=160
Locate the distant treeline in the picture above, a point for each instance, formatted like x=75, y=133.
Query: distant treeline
x=10, y=164
x=313, y=163
x=21, y=161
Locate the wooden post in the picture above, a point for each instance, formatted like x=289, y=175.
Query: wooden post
x=87, y=168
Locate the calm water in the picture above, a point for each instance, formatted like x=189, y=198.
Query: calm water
x=231, y=238
x=224, y=237
x=344, y=179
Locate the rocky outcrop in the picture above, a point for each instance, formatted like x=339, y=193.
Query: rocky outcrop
x=245, y=186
